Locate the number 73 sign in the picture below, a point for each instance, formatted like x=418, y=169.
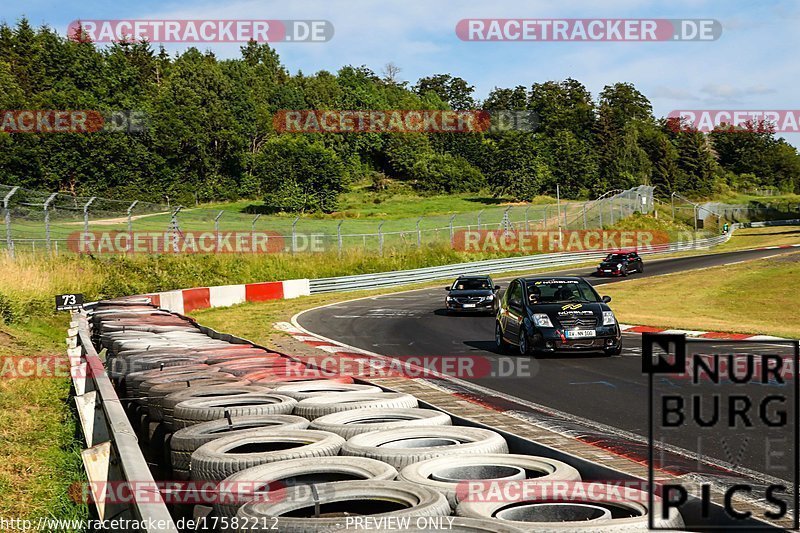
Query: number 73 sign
x=68, y=302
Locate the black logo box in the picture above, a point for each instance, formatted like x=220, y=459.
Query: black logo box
x=674, y=362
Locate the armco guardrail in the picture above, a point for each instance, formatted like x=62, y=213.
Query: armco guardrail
x=490, y=266
x=112, y=453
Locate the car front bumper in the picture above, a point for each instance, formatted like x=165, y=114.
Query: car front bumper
x=612, y=273
x=551, y=340
x=479, y=307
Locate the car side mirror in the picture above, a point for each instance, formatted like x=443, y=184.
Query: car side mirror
x=447, y=288
x=497, y=287
x=606, y=299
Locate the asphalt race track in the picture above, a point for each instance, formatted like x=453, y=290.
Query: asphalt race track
x=606, y=391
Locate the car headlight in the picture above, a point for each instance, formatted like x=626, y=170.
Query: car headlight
x=449, y=299
x=542, y=320
x=489, y=298
x=619, y=265
x=608, y=318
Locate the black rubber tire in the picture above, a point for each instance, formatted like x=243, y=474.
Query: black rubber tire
x=523, y=348
x=309, y=390
x=244, y=486
x=157, y=393
x=351, y=423
x=312, y=408
x=539, y=468
x=214, y=461
x=197, y=410
x=500, y=343
x=480, y=508
x=417, y=501
x=169, y=402
x=185, y=441
x=466, y=440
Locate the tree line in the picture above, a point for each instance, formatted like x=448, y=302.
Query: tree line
x=210, y=133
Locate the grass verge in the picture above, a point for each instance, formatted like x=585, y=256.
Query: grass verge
x=39, y=450
x=755, y=297
x=755, y=237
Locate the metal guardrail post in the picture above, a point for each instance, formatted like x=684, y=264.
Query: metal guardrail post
x=7, y=215
x=419, y=233
x=130, y=220
x=339, y=235
x=86, y=215
x=47, y=218
x=452, y=233
x=294, y=234
x=380, y=237
x=526, y=218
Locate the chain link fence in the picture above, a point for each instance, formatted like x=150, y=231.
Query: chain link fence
x=36, y=221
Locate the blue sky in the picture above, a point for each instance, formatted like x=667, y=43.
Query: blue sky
x=749, y=67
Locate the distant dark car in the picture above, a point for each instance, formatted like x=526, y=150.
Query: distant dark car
x=620, y=264
x=561, y=314
x=472, y=294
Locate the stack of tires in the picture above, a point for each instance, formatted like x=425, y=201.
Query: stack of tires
x=292, y=449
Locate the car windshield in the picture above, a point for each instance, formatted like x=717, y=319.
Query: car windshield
x=472, y=284
x=557, y=290
x=615, y=257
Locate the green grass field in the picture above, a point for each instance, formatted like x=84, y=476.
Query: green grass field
x=39, y=453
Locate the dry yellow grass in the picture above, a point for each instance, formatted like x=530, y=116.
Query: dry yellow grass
x=755, y=237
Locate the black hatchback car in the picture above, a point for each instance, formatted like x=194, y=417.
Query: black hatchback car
x=620, y=264
x=562, y=314
x=472, y=294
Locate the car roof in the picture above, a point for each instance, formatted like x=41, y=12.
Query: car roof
x=476, y=276
x=623, y=252
x=547, y=278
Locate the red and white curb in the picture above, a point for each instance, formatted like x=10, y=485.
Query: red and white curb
x=187, y=300
x=626, y=328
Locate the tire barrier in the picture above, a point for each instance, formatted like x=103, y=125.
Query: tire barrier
x=282, y=439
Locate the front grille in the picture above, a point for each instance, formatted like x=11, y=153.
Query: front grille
x=582, y=343
x=589, y=322
x=469, y=299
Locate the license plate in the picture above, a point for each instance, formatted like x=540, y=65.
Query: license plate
x=469, y=305
x=580, y=333
x=606, y=271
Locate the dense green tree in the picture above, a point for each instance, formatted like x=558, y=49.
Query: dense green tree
x=210, y=131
